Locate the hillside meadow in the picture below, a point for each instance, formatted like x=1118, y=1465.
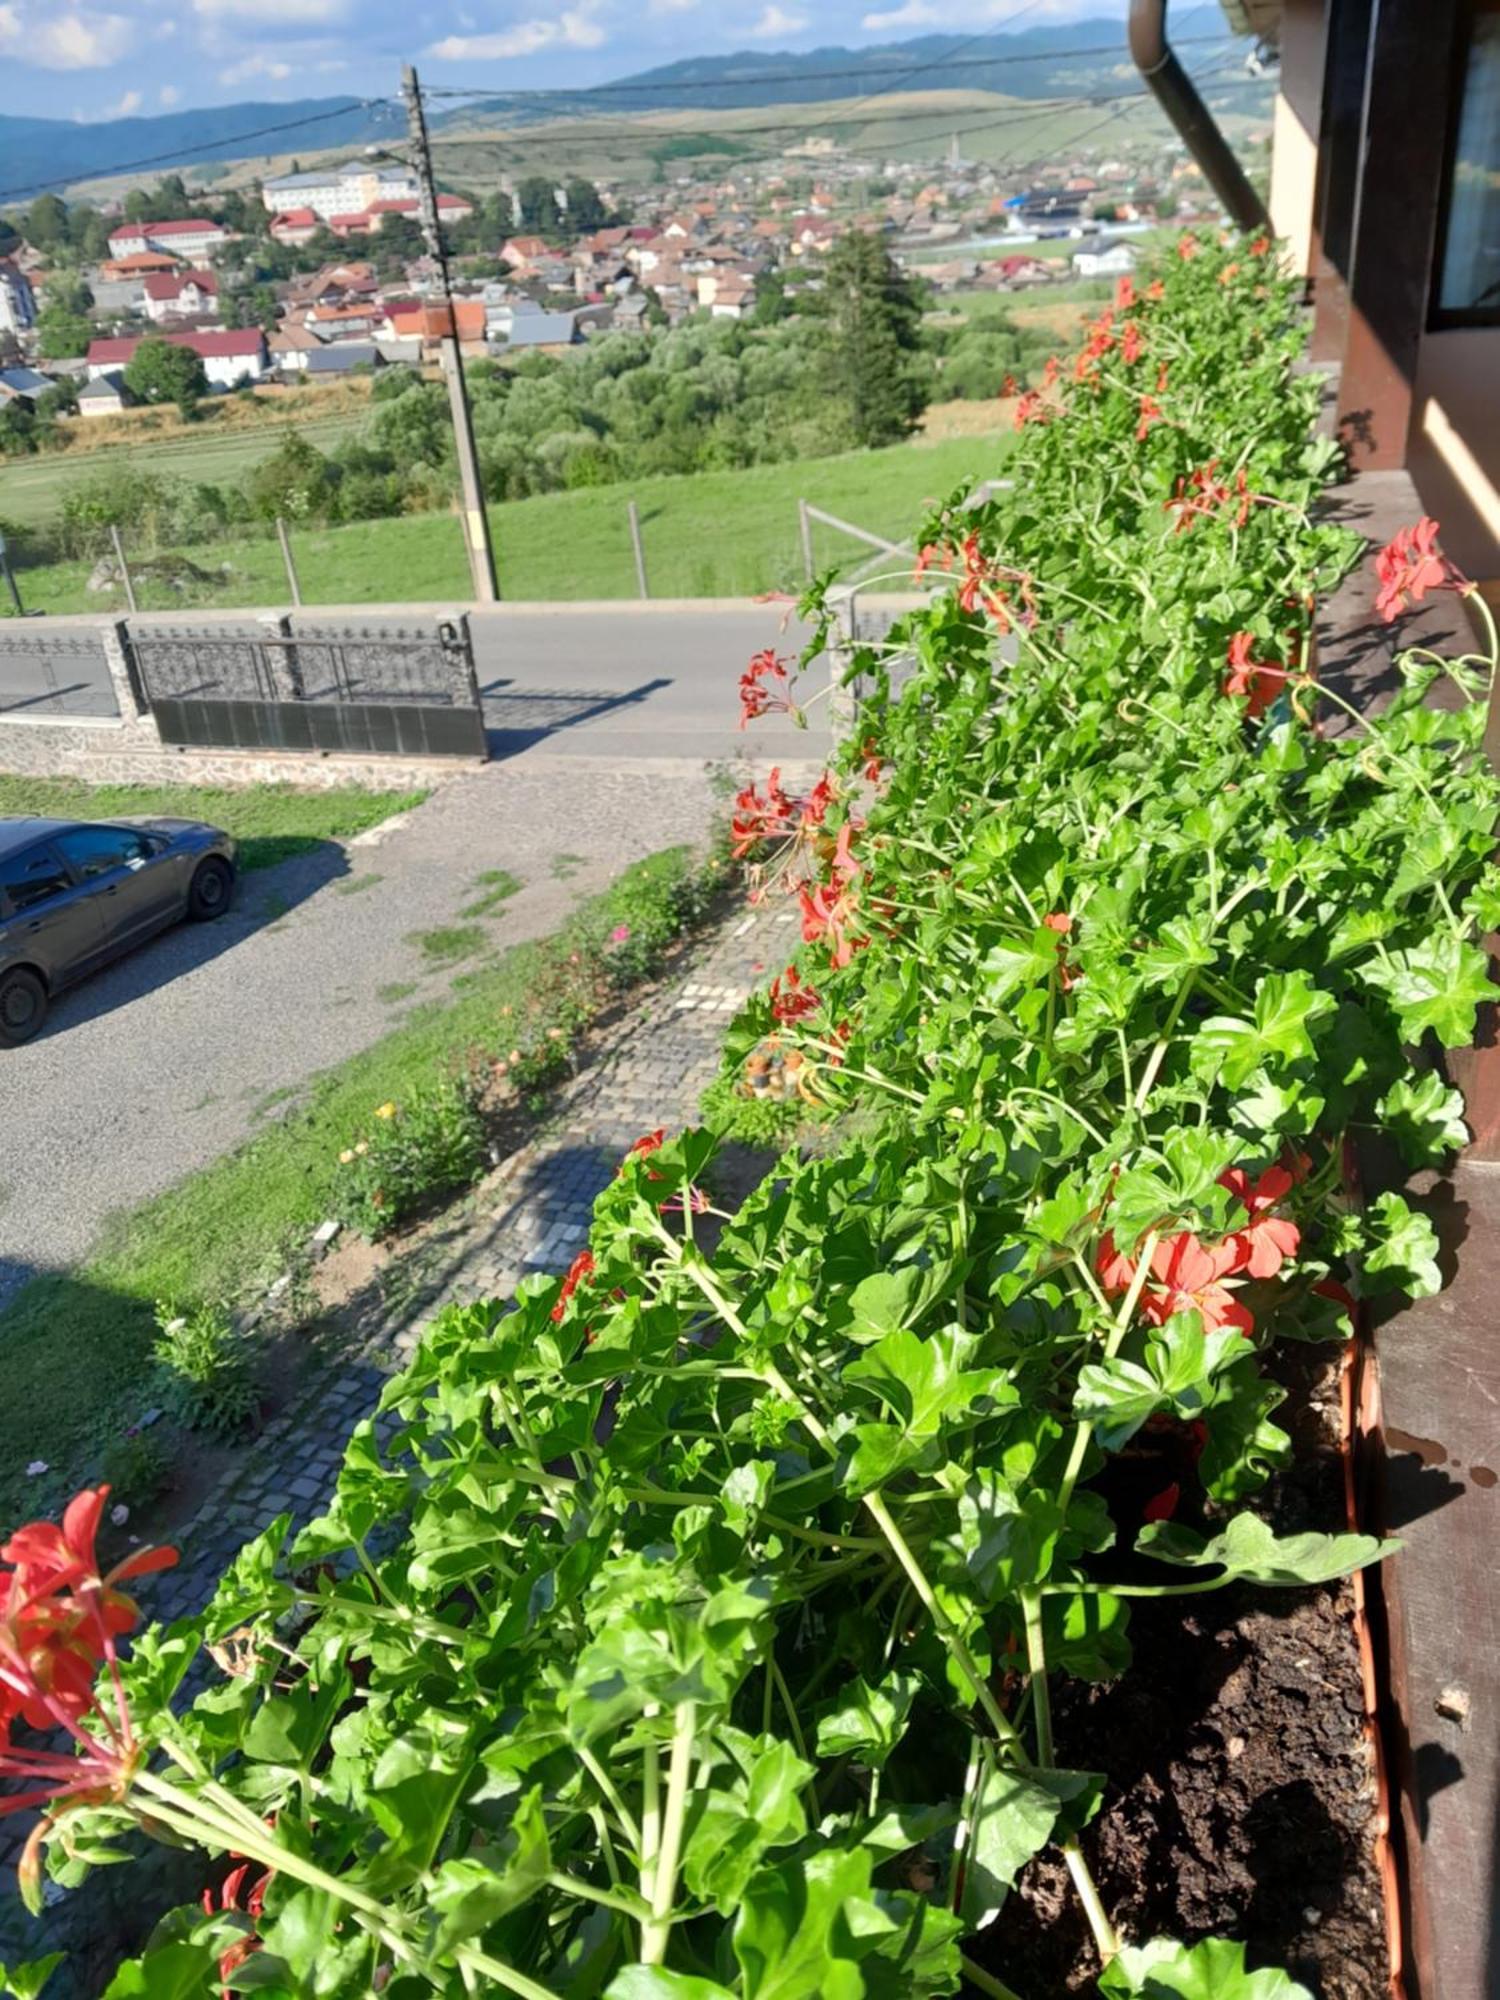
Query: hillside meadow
x=708, y=534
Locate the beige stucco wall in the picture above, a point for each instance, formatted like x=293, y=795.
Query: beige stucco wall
x=1454, y=448
x=1294, y=131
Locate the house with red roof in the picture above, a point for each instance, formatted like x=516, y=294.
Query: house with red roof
x=180, y=295
x=295, y=226
x=228, y=357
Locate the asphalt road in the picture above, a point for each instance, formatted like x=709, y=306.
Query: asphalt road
x=605, y=727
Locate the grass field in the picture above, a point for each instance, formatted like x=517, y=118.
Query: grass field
x=710, y=534
x=75, y=1346
x=271, y=822
x=32, y=490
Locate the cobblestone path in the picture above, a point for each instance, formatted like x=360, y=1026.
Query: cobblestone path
x=531, y=1214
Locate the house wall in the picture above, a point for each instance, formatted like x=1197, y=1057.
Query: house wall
x=1294, y=133
x=1453, y=449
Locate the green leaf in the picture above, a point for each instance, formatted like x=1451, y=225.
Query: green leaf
x=473, y=1891
x=1286, y=1006
x=1213, y=1969
x=654, y=1982
x=924, y=1380
x=869, y=1721
x=1014, y=1817
x=1252, y=1552
x=1425, y=1117
x=792, y=1939
x=25, y=1982
x=1438, y=984
x=176, y=1972
x=1401, y=1249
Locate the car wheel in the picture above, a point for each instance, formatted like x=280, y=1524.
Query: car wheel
x=209, y=895
x=23, y=1006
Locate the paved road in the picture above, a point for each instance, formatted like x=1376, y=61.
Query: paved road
x=605, y=731
x=652, y=680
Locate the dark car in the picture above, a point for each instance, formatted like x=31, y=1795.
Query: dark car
x=74, y=895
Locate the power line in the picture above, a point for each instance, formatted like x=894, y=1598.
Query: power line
x=603, y=90
x=180, y=157
x=586, y=133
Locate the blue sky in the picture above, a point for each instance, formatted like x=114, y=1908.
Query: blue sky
x=120, y=58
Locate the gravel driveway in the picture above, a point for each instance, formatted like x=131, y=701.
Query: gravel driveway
x=177, y=1053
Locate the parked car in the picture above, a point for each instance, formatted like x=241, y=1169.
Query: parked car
x=74, y=895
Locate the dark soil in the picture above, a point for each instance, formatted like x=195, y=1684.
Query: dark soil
x=1240, y=1796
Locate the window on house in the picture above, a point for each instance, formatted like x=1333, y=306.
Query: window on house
x=1469, y=273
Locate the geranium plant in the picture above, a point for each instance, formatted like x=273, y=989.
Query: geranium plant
x=688, y=1628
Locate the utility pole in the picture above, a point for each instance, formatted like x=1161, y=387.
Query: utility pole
x=476, y=521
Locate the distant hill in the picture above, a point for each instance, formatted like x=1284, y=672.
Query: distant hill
x=37, y=152
x=1057, y=59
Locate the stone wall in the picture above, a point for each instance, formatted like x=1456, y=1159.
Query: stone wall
x=106, y=751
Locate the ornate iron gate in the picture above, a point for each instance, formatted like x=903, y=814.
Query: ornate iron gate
x=381, y=690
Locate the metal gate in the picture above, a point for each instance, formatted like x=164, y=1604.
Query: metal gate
x=373, y=690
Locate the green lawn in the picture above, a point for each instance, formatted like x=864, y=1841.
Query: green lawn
x=707, y=534
x=32, y=490
x=75, y=1346
x=271, y=822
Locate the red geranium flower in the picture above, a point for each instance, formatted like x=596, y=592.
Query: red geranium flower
x=1409, y=566
x=1009, y=386
x=1031, y=410
x=1156, y=290
x=1260, y=246
x=1202, y=493
x=1151, y=413
x=756, y=819
x=792, y=999
x=649, y=1142
x=1131, y=345
x=765, y=687
x=1191, y=1280
x=253, y=1907
x=1261, y=680
x=1269, y=1239
x=1187, y=248
x=1124, y=294
x=581, y=1267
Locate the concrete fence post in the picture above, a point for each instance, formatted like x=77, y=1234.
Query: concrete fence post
x=842, y=702
x=129, y=698
x=130, y=604
x=292, y=584
x=642, y=585
x=805, y=521
x=281, y=661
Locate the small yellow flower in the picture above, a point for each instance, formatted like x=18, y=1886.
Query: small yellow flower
x=515, y=1055
x=554, y=1034
x=363, y=1146
x=346, y=1156
x=385, y=1111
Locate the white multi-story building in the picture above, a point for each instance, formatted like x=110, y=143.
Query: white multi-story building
x=191, y=240
x=352, y=189
x=17, y=300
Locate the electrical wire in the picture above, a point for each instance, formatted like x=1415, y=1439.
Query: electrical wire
x=1017, y=111
x=181, y=157
x=603, y=90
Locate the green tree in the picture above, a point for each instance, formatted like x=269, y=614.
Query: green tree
x=62, y=334
x=296, y=481
x=10, y=237
x=586, y=209
x=46, y=224
x=536, y=204
x=874, y=366
x=162, y=372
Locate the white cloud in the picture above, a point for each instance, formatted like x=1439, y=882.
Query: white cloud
x=127, y=107
x=671, y=6
x=253, y=66
x=10, y=26
x=280, y=13
x=574, y=28
x=914, y=14
x=168, y=95
x=79, y=40
x=777, y=21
